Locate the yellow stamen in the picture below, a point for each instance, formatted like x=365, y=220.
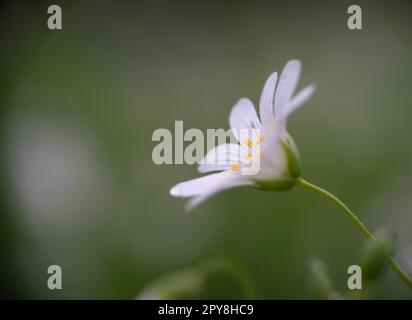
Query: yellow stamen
x=248, y=156
x=260, y=139
x=235, y=166
x=249, y=142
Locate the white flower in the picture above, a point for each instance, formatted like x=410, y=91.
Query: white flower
x=275, y=149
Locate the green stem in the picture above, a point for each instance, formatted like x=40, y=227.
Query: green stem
x=355, y=220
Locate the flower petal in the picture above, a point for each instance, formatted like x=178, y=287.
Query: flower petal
x=243, y=117
x=299, y=99
x=266, y=101
x=286, y=86
x=203, y=188
x=222, y=157
x=198, y=186
x=273, y=162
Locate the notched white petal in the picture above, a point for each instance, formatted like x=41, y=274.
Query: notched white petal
x=203, y=188
x=266, y=104
x=199, y=185
x=299, y=99
x=286, y=85
x=234, y=182
x=243, y=117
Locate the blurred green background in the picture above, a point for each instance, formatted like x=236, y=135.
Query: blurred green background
x=79, y=106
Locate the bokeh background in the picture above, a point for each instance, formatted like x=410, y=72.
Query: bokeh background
x=79, y=106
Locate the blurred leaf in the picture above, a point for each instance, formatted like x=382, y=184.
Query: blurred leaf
x=320, y=286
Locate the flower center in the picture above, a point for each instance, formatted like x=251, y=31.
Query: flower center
x=235, y=166
x=249, y=142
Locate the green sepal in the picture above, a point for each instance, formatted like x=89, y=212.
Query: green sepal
x=292, y=157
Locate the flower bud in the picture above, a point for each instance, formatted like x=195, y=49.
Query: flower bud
x=374, y=254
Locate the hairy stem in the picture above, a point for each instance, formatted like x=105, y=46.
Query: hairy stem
x=355, y=220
